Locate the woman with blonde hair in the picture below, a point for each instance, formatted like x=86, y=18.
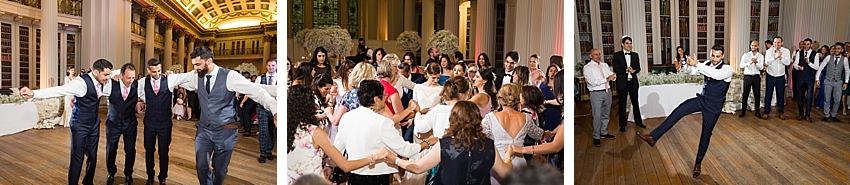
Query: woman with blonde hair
x=509, y=126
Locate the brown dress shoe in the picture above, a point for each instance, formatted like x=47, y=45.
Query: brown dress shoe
x=809, y=119
x=800, y=117
x=782, y=116
x=647, y=138
x=149, y=182
x=697, y=170
x=765, y=116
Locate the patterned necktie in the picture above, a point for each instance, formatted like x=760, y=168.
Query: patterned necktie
x=124, y=93
x=155, y=86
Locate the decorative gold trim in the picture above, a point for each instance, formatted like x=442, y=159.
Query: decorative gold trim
x=168, y=24
x=150, y=12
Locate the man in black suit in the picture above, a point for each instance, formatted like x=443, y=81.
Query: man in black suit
x=407, y=95
x=627, y=65
x=505, y=75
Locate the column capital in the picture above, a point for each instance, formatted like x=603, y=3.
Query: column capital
x=179, y=32
x=168, y=24
x=190, y=38
x=268, y=38
x=150, y=12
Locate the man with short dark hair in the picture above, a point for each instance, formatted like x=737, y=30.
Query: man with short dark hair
x=710, y=102
x=627, y=65
x=808, y=62
x=268, y=131
x=217, y=127
x=85, y=125
x=458, y=57
x=837, y=74
x=775, y=60
x=433, y=56
x=121, y=120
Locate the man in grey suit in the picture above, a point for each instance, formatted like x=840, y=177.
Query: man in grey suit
x=834, y=66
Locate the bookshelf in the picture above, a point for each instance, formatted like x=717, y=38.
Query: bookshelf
x=38, y=58
x=649, y=41
x=702, y=28
x=584, y=29
x=24, y=55
x=684, y=25
x=666, y=35
x=608, y=41
x=5, y=55
x=719, y=22
x=71, y=52
x=773, y=19
x=755, y=19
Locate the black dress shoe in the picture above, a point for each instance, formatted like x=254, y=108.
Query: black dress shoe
x=758, y=115
x=608, y=136
x=597, y=143
x=825, y=119
x=161, y=181
x=743, y=113
x=149, y=182
x=271, y=157
x=641, y=125
x=835, y=119
x=262, y=159
x=110, y=178
x=622, y=129
x=128, y=180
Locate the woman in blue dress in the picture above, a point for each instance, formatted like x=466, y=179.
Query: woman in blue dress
x=823, y=51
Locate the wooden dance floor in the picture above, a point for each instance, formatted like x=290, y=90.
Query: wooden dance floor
x=42, y=157
x=742, y=151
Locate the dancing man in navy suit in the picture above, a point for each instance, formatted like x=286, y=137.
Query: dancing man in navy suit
x=709, y=102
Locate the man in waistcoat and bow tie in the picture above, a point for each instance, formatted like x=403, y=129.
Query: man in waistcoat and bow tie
x=808, y=62
x=268, y=131
x=709, y=102
x=217, y=127
x=85, y=125
x=121, y=120
x=627, y=65
x=834, y=66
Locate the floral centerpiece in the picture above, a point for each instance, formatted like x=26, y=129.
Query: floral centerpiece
x=176, y=67
x=11, y=99
x=302, y=36
x=409, y=41
x=49, y=112
x=248, y=67
x=340, y=40
x=444, y=41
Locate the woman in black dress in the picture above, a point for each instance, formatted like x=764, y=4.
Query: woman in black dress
x=465, y=155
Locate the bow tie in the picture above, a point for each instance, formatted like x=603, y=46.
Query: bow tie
x=626, y=53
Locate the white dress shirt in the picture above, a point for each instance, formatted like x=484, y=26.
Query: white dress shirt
x=841, y=60
x=235, y=83
x=76, y=88
x=592, y=76
x=508, y=77
x=776, y=67
x=627, y=55
x=814, y=65
x=747, y=63
x=724, y=73
x=437, y=119
x=173, y=80
x=268, y=88
x=362, y=132
x=273, y=77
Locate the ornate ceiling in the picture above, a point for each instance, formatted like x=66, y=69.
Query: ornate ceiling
x=225, y=14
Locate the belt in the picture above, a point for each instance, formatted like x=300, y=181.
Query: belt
x=234, y=126
x=629, y=80
x=597, y=90
x=751, y=75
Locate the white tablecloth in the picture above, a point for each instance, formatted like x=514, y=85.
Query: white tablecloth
x=660, y=100
x=17, y=118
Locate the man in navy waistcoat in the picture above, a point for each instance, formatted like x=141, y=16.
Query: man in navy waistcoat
x=709, y=102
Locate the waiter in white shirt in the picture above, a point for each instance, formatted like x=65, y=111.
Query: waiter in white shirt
x=598, y=77
x=752, y=62
x=709, y=102
x=776, y=58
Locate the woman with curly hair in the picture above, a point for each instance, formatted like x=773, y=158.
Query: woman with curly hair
x=308, y=143
x=465, y=155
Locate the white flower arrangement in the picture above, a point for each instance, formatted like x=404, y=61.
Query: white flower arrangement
x=339, y=40
x=11, y=99
x=444, y=41
x=49, y=113
x=248, y=67
x=302, y=36
x=176, y=67
x=409, y=41
x=672, y=78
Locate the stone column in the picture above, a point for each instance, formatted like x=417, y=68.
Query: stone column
x=452, y=16
x=634, y=25
x=191, y=41
x=513, y=25
x=343, y=14
x=49, y=47
x=473, y=7
x=485, y=41
x=409, y=15
x=267, y=47
x=150, y=15
x=167, y=43
x=181, y=48
x=308, y=14
x=427, y=26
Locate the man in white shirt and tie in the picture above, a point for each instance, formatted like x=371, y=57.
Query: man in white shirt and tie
x=807, y=64
x=834, y=66
x=776, y=58
x=268, y=131
x=121, y=120
x=597, y=75
x=752, y=62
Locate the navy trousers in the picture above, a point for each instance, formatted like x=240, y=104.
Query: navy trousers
x=805, y=89
x=114, y=131
x=268, y=132
x=152, y=134
x=777, y=83
x=84, y=140
x=215, y=143
x=710, y=112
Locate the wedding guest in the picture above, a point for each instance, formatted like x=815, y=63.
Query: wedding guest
x=410, y=59
x=377, y=56
x=776, y=58
x=557, y=60
x=536, y=75
x=433, y=56
x=553, y=108
x=836, y=71
x=497, y=125
x=505, y=75
x=485, y=91
x=446, y=67
x=458, y=57
x=598, y=75
x=752, y=62
x=627, y=66
x=483, y=61
x=121, y=120
x=806, y=66
x=521, y=76
x=471, y=71
x=305, y=74
x=268, y=131
x=69, y=100
x=681, y=63
x=459, y=69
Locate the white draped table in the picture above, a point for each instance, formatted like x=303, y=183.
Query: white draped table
x=17, y=117
x=660, y=100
